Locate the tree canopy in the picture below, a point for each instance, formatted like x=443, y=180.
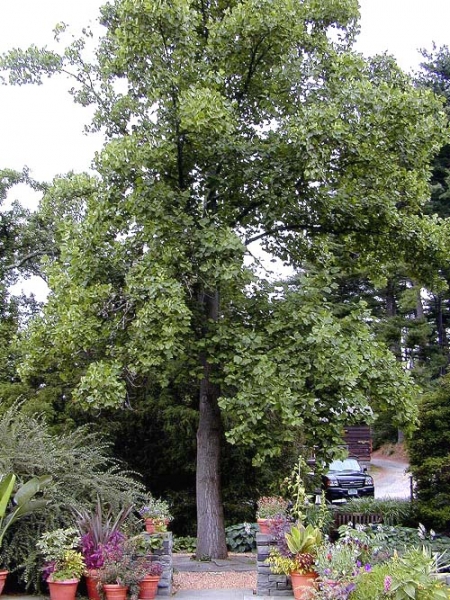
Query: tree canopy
x=230, y=124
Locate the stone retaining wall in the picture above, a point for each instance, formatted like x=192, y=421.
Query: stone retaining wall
x=164, y=556
x=269, y=584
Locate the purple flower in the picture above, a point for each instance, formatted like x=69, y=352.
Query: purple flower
x=95, y=555
x=48, y=569
x=387, y=583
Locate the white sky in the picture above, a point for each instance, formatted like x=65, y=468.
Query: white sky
x=41, y=127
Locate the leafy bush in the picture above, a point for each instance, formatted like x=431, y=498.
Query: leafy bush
x=395, y=512
x=383, y=562
x=81, y=469
x=429, y=451
x=388, y=539
x=241, y=537
x=187, y=544
x=432, y=491
x=402, y=578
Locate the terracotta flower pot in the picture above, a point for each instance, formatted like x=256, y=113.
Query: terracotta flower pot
x=156, y=525
x=114, y=591
x=264, y=525
x=91, y=585
x=63, y=590
x=149, y=587
x=3, y=575
x=303, y=585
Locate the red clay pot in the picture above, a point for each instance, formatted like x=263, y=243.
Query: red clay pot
x=63, y=590
x=3, y=575
x=91, y=585
x=303, y=586
x=148, y=587
x=156, y=525
x=114, y=591
x=264, y=525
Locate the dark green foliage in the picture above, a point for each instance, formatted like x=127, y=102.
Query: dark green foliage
x=241, y=537
x=186, y=544
x=82, y=469
x=394, y=512
x=429, y=452
x=156, y=438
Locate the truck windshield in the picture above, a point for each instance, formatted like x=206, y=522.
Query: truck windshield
x=349, y=464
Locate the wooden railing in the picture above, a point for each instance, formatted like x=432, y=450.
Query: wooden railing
x=344, y=518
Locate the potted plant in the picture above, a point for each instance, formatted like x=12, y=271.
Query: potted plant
x=22, y=503
x=64, y=563
x=267, y=509
x=295, y=555
x=143, y=546
x=123, y=572
x=148, y=586
x=100, y=536
x=156, y=514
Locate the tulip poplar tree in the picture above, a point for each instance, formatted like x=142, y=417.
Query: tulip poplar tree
x=233, y=124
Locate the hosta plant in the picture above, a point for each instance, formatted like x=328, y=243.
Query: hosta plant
x=241, y=537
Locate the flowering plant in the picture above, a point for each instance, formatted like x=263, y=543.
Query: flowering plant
x=270, y=506
x=100, y=533
x=156, y=508
x=95, y=553
x=63, y=561
x=337, y=561
x=127, y=569
x=296, y=549
x=337, y=566
x=401, y=578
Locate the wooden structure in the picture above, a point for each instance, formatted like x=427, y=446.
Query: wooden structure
x=358, y=439
x=344, y=518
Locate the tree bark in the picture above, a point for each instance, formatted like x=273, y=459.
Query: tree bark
x=391, y=312
x=211, y=540
x=441, y=332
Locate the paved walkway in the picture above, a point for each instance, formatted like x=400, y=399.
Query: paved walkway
x=233, y=594
x=235, y=562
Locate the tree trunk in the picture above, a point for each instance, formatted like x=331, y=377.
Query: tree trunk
x=391, y=312
x=441, y=331
x=211, y=540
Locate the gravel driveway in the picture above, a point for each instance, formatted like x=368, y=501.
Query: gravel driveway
x=390, y=477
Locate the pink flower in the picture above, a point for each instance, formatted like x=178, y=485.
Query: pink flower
x=387, y=583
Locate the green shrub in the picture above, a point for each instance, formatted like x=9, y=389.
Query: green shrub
x=394, y=512
x=82, y=470
x=429, y=451
x=241, y=537
x=186, y=544
x=401, y=539
x=403, y=578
